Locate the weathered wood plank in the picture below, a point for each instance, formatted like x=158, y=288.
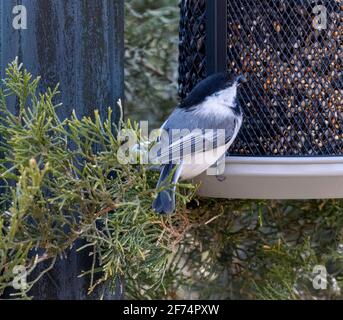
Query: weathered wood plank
x=80, y=45
x=76, y=43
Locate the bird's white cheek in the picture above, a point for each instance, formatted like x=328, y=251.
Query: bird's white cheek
x=214, y=106
x=229, y=95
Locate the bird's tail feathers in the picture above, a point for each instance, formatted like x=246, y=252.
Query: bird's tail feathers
x=165, y=203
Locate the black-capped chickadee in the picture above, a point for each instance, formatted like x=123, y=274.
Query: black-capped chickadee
x=197, y=134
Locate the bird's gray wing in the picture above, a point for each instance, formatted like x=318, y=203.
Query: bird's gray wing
x=186, y=135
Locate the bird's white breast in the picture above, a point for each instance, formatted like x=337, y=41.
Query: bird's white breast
x=198, y=166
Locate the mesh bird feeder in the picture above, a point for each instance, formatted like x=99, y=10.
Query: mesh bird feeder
x=291, y=143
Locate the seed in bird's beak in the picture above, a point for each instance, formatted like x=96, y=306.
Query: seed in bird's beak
x=241, y=79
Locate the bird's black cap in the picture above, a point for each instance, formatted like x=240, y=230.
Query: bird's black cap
x=208, y=87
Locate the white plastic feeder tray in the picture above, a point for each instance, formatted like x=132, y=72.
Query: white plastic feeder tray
x=276, y=178
x=241, y=36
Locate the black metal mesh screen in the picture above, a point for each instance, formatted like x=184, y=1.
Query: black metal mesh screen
x=293, y=101
x=192, y=49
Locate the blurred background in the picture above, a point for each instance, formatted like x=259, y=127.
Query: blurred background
x=228, y=249
x=151, y=40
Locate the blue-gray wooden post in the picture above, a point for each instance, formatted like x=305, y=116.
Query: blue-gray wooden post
x=78, y=44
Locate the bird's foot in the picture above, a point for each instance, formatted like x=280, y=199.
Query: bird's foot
x=221, y=178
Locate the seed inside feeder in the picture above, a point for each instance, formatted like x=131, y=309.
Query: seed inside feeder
x=293, y=100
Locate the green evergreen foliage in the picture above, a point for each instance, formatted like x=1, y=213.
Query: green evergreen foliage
x=61, y=181
x=268, y=250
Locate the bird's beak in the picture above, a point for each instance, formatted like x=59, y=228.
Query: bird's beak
x=241, y=79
